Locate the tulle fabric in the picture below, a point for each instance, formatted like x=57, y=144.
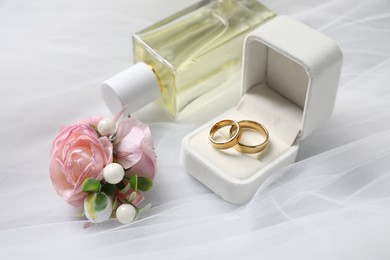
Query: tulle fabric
x=334, y=203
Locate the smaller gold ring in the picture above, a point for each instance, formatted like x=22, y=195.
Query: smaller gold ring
x=248, y=124
x=234, y=137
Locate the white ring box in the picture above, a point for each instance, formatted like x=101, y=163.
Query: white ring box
x=290, y=80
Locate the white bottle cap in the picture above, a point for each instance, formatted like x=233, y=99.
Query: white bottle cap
x=134, y=87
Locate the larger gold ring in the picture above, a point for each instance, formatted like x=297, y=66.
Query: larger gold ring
x=248, y=124
x=234, y=137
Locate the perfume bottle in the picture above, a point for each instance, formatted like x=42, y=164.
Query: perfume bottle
x=187, y=56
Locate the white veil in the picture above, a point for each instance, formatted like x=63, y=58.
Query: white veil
x=334, y=203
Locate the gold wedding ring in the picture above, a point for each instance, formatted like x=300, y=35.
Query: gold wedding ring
x=234, y=137
x=248, y=124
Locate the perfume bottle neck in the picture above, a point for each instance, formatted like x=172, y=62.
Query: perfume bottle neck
x=157, y=76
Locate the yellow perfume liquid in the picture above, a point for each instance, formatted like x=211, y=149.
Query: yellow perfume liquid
x=195, y=50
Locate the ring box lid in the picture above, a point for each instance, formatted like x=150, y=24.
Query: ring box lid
x=302, y=66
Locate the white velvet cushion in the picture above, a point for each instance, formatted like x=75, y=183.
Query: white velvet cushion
x=262, y=104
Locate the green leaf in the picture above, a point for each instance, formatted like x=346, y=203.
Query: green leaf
x=109, y=189
x=101, y=201
x=144, y=184
x=142, y=211
x=145, y=209
x=134, y=182
x=132, y=196
x=91, y=185
x=126, y=188
x=115, y=205
x=90, y=202
x=121, y=185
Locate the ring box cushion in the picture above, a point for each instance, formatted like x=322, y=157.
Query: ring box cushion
x=290, y=78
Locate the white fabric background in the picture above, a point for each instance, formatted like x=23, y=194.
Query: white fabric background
x=334, y=203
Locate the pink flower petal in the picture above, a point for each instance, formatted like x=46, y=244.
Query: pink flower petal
x=146, y=166
x=124, y=128
x=78, y=153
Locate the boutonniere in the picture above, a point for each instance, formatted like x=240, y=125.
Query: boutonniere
x=104, y=166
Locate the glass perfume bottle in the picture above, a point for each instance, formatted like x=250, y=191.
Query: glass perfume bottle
x=191, y=53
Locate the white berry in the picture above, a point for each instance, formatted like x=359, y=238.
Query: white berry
x=106, y=127
x=125, y=213
x=113, y=173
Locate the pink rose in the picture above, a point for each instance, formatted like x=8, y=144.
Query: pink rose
x=133, y=148
x=77, y=154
